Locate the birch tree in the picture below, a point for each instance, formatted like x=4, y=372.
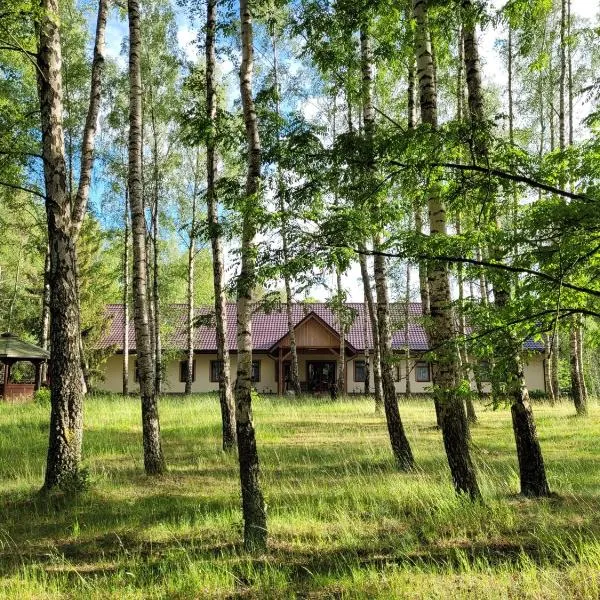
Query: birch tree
x=253, y=504
x=65, y=216
x=154, y=462
x=453, y=420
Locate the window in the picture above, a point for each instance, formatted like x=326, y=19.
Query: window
x=216, y=368
x=359, y=370
x=136, y=372
x=422, y=371
x=255, y=371
x=183, y=371
x=485, y=371
x=397, y=376
x=287, y=369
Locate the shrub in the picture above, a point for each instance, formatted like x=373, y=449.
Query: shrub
x=42, y=396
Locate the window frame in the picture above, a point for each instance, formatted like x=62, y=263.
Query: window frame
x=182, y=366
x=360, y=363
x=211, y=371
x=258, y=367
x=421, y=364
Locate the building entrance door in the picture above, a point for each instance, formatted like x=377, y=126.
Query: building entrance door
x=320, y=374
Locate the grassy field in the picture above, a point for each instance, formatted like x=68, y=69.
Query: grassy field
x=343, y=522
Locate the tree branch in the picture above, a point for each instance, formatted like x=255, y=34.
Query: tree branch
x=23, y=189
x=480, y=263
x=505, y=175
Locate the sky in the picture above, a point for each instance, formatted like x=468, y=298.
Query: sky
x=493, y=69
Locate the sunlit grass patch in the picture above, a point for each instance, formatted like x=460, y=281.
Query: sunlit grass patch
x=343, y=521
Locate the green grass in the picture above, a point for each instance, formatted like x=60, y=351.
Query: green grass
x=344, y=523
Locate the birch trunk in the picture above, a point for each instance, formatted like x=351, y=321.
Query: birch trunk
x=367, y=352
x=400, y=445
x=531, y=464
x=576, y=392
x=45, y=327
x=294, y=371
x=189, y=379
x=463, y=351
x=407, y=389
x=214, y=229
x=580, y=330
x=64, y=216
x=341, y=362
x=155, y=295
x=374, y=329
x=547, y=372
x=253, y=504
x=454, y=425
x=126, y=297
x=153, y=456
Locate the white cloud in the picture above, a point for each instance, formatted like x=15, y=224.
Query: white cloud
x=186, y=38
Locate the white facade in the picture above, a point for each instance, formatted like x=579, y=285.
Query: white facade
x=534, y=374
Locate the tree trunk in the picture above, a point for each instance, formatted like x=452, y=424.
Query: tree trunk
x=532, y=473
x=294, y=371
x=126, y=297
x=407, y=389
x=454, y=425
x=547, y=374
x=341, y=362
x=555, y=365
x=214, y=228
x=43, y=371
x=580, y=330
x=576, y=392
x=154, y=462
x=400, y=445
x=463, y=351
x=531, y=464
x=155, y=313
x=362, y=257
x=551, y=394
x=253, y=504
x=367, y=382
x=189, y=379
x=65, y=217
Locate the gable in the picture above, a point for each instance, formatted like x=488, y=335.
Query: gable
x=312, y=332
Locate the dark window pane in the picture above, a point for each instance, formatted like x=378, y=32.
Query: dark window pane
x=359, y=370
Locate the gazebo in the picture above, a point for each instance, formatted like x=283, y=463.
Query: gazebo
x=13, y=350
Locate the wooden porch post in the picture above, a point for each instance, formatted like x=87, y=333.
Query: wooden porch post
x=38, y=375
x=280, y=378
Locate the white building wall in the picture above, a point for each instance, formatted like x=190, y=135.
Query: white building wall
x=534, y=374
x=114, y=369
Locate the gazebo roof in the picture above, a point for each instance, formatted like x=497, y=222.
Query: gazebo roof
x=15, y=348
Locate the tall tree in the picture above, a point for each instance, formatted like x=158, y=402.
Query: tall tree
x=214, y=230
x=400, y=444
x=454, y=425
x=154, y=462
x=531, y=464
x=284, y=223
x=372, y=315
x=253, y=504
x=125, y=369
x=65, y=216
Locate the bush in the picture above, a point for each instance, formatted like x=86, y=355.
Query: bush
x=42, y=396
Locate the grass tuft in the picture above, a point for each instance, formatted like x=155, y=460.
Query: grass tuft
x=344, y=521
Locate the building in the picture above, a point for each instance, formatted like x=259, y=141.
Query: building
x=318, y=345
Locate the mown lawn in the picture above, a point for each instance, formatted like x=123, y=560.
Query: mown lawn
x=344, y=523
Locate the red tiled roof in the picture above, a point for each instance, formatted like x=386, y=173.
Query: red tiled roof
x=269, y=328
